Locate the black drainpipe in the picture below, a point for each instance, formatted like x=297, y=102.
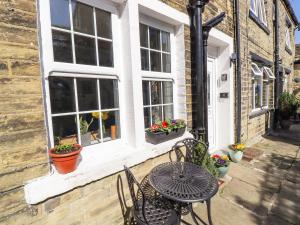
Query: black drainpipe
x=277, y=62
x=238, y=71
x=199, y=125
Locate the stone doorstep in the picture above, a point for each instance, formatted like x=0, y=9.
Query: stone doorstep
x=252, y=153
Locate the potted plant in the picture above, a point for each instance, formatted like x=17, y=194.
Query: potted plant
x=288, y=104
x=65, y=157
x=237, y=151
x=221, y=163
x=84, y=131
x=165, y=130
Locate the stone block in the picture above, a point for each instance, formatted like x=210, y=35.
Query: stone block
x=13, y=16
x=17, y=178
x=12, y=202
x=20, y=52
x=248, y=196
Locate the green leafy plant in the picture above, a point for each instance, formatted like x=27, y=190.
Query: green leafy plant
x=288, y=104
x=207, y=162
x=84, y=125
x=166, y=126
x=65, y=148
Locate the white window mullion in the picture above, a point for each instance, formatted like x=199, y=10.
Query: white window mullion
x=151, y=122
x=96, y=39
x=100, y=112
x=77, y=112
x=72, y=31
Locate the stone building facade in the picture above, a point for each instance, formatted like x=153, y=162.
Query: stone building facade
x=297, y=70
x=31, y=190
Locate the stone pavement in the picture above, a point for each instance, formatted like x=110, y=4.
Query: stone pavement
x=264, y=191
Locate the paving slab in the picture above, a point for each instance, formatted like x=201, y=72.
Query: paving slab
x=226, y=213
x=275, y=220
x=257, y=178
x=250, y=197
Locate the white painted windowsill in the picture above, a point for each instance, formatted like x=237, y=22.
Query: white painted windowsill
x=96, y=163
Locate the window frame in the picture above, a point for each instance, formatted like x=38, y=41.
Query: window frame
x=256, y=75
x=161, y=76
x=288, y=43
x=62, y=69
x=259, y=8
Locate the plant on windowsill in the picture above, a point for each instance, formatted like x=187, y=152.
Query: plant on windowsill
x=237, y=151
x=84, y=131
x=65, y=157
x=165, y=130
x=288, y=105
x=221, y=163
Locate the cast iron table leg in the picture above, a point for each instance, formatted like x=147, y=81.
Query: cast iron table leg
x=209, y=212
x=193, y=214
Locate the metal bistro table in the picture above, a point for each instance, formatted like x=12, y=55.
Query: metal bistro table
x=184, y=183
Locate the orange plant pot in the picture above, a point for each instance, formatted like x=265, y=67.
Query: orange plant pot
x=65, y=163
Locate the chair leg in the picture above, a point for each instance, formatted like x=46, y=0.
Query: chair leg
x=209, y=212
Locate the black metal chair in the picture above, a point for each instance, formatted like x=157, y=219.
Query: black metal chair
x=149, y=208
x=192, y=153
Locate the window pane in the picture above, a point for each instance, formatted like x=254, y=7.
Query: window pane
x=109, y=94
x=167, y=92
x=253, y=5
x=87, y=94
x=83, y=18
x=156, y=114
x=154, y=38
x=105, y=50
x=103, y=24
x=144, y=35
x=155, y=58
x=85, y=50
x=165, y=41
x=147, y=119
x=166, y=63
x=60, y=16
x=62, y=46
x=146, y=95
x=111, y=125
x=265, y=93
x=155, y=92
x=64, y=129
x=89, y=128
x=144, y=59
x=257, y=93
x=168, y=112
x=61, y=94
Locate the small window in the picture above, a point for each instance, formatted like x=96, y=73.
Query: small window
x=155, y=49
x=81, y=34
x=269, y=82
x=84, y=110
x=258, y=8
x=257, y=86
x=157, y=101
x=288, y=38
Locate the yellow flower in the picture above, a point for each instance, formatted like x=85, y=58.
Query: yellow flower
x=240, y=147
x=104, y=115
x=95, y=115
x=225, y=157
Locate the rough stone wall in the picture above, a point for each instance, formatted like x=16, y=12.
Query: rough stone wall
x=22, y=129
x=287, y=58
x=297, y=70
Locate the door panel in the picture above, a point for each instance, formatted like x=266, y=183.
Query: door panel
x=211, y=101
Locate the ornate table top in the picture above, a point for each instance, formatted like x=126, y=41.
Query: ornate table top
x=183, y=182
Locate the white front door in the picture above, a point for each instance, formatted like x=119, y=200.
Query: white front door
x=211, y=101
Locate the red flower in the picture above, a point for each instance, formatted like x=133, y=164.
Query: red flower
x=164, y=124
x=154, y=127
x=216, y=156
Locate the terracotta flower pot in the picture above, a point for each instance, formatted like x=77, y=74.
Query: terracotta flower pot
x=65, y=163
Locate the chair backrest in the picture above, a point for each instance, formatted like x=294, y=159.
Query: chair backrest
x=132, y=183
x=191, y=147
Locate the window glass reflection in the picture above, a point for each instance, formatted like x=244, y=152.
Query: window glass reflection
x=111, y=125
